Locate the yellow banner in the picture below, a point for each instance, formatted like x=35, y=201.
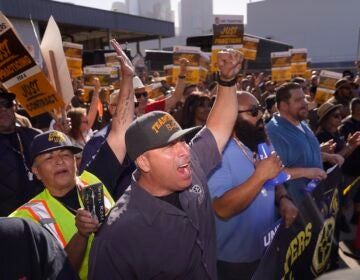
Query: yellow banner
x=323, y=94
x=36, y=95
x=281, y=74
x=192, y=74
x=298, y=68
x=73, y=55
x=250, y=47
x=228, y=30
x=20, y=74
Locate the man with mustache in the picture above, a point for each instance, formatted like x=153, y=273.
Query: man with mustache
x=294, y=141
x=244, y=208
x=163, y=225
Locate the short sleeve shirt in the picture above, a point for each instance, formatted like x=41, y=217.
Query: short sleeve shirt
x=147, y=238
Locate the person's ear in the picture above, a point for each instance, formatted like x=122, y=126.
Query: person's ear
x=143, y=163
x=35, y=171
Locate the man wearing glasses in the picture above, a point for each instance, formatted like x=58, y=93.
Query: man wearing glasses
x=166, y=104
x=244, y=208
x=17, y=183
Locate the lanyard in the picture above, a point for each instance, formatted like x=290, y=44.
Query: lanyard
x=21, y=146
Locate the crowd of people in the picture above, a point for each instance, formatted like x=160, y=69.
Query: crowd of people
x=185, y=192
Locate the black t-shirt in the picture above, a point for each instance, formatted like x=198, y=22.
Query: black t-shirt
x=70, y=200
x=173, y=199
x=28, y=251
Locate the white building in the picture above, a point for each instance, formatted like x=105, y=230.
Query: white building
x=327, y=28
x=158, y=9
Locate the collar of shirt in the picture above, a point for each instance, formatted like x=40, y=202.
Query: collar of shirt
x=148, y=205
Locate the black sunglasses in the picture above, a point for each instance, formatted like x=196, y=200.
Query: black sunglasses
x=6, y=104
x=254, y=110
x=143, y=94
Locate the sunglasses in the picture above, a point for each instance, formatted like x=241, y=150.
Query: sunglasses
x=143, y=94
x=6, y=104
x=254, y=110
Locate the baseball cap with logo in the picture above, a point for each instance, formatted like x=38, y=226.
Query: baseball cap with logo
x=50, y=141
x=151, y=131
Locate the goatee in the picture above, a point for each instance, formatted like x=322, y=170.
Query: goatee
x=251, y=135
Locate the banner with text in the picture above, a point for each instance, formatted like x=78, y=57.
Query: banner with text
x=303, y=250
x=228, y=32
x=21, y=75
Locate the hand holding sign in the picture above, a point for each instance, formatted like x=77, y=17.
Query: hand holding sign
x=229, y=64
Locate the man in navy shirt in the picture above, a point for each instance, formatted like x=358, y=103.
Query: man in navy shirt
x=163, y=226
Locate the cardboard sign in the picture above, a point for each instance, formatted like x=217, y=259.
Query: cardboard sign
x=228, y=30
x=280, y=66
x=73, y=53
x=326, y=87
x=197, y=69
x=228, y=33
x=298, y=61
x=111, y=59
x=52, y=42
x=250, y=47
x=21, y=75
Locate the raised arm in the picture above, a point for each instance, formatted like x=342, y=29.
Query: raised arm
x=224, y=112
x=91, y=115
x=124, y=112
x=171, y=101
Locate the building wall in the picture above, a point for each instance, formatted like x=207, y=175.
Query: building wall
x=327, y=28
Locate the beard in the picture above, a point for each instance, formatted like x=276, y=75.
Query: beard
x=251, y=135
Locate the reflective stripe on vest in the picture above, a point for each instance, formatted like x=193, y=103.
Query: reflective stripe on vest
x=41, y=213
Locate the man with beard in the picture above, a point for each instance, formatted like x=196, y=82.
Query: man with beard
x=294, y=141
x=244, y=209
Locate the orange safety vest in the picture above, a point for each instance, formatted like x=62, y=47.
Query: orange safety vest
x=57, y=219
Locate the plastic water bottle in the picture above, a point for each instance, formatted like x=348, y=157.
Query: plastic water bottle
x=264, y=151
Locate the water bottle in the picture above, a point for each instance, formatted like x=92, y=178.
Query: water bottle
x=264, y=151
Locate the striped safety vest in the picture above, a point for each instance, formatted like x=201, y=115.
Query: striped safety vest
x=57, y=219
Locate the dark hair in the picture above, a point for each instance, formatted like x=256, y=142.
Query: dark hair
x=298, y=80
x=75, y=115
x=283, y=92
x=355, y=101
x=193, y=101
x=270, y=101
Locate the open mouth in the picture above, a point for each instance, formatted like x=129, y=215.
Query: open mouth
x=61, y=172
x=185, y=169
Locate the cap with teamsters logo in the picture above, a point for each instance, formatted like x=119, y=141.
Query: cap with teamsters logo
x=50, y=141
x=151, y=131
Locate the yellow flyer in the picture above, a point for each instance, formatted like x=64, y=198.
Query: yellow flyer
x=298, y=61
x=280, y=66
x=21, y=75
x=111, y=59
x=250, y=45
x=326, y=87
x=73, y=54
x=228, y=30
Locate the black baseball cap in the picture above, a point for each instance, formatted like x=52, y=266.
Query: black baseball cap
x=151, y=131
x=50, y=141
x=7, y=95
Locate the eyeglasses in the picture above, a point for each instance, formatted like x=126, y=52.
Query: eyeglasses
x=7, y=104
x=254, y=110
x=139, y=94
